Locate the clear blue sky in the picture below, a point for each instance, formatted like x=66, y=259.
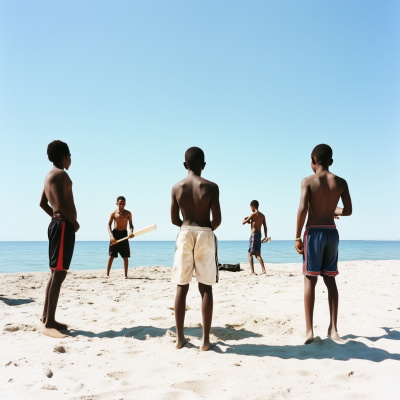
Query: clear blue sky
x=130, y=85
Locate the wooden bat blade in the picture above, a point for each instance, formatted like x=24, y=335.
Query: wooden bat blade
x=266, y=240
x=140, y=232
x=145, y=230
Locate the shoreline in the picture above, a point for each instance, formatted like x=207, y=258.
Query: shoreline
x=122, y=332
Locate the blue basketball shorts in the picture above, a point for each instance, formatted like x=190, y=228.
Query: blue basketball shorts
x=321, y=250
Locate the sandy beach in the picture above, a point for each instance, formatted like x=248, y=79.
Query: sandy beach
x=122, y=334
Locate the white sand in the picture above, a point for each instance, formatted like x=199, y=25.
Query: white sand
x=122, y=337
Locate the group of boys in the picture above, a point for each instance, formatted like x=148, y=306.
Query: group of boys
x=196, y=249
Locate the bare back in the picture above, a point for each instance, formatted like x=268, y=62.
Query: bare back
x=195, y=197
x=257, y=221
x=324, y=190
x=58, y=191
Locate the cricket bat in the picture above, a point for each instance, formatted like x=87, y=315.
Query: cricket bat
x=140, y=232
x=266, y=240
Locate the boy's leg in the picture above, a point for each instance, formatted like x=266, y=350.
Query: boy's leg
x=59, y=325
x=261, y=261
x=207, y=311
x=180, y=309
x=126, y=263
x=333, y=299
x=251, y=263
x=50, y=326
x=109, y=263
x=46, y=299
x=309, y=299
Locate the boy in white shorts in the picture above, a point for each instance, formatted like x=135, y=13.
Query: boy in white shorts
x=196, y=245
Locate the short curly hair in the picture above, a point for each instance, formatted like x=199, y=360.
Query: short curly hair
x=57, y=150
x=255, y=204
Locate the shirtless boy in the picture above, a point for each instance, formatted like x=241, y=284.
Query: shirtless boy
x=320, y=194
x=256, y=219
x=63, y=225
x=120, y=217
x=196, y=245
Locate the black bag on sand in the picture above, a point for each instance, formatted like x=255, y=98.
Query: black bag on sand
x=229, y=267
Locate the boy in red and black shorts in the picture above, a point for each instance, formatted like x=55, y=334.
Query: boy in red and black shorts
x=63, y=225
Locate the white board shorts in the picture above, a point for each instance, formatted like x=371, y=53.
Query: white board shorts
x=196, y=252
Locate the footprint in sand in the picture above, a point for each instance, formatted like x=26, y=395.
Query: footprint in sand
x=118, y=375
x=18, y=327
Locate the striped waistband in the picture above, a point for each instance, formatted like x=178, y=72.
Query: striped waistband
x=321, y=226
x=195, y=228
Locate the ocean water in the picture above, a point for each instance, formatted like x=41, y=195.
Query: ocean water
x=33, y=256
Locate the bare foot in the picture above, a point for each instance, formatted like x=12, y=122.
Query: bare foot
x=57, y=325
x=308, y=337
x=54, y=333
x=264, y=272
x=253, y=273
x=126, y=277
x=335, y=336
x=206, y=346
x=180, y=343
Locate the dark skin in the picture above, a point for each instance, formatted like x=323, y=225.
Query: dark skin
x=257, y=221
x=58, y=192
x=195, y=197
x=120, y=217
x=320, y=194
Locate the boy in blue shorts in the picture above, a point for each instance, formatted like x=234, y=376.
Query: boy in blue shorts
x=256, y=220
x=320, y=194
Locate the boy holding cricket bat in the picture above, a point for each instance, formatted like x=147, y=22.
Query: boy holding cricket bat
x=196, y=245
x=120, y=217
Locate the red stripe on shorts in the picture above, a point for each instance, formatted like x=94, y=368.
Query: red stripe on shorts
x=305, y=252
x=61, y=251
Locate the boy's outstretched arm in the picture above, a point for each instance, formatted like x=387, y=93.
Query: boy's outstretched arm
x=301, y=215
x=175, y=218
x=247, y=220
x=131, y=235
x=265, y=227
x=347, y=206
x=113, y=241
x=44, y=204
x=215, y=210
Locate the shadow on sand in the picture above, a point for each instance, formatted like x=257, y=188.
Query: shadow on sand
x=16, y=302
x=319, y=349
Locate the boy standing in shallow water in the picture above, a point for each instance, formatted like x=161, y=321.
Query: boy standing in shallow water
x=320, y=194
x=120, y=217
x=196, y=245
x=256, y=219
x=63, y=225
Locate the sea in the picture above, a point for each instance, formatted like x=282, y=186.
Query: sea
x=33, y=256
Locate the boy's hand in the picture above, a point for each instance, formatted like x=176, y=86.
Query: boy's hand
x=335, y=216
x=113, y=241
x=131, y=235
x=299, y=246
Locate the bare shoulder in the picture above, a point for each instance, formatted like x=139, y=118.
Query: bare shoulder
x=210, y=185
x=262, y=216
x=128, y=213
x=340, y=182
x=307, y=180
x=58, y=175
